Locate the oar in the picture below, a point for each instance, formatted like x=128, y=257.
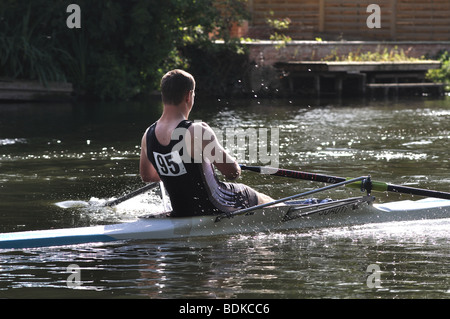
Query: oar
x=294, y=174
x=375, y=186
x=131, y=195
x=77, y=203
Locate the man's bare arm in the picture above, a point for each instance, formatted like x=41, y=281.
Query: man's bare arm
x=146, y=169
x=205, y=143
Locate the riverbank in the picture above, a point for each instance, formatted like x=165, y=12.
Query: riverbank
x=270, y=68
x=266, y=76
x=25, y=91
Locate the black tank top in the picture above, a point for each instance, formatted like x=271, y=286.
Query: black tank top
x=183, y=179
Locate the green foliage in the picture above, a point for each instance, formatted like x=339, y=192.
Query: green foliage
x=122, y=48
x=385, y=55
x=25, y=52
x=218, y=67
x=441, y=75
x=279, y=26
x=217, y=61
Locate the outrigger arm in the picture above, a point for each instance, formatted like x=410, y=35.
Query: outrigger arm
x=285, y=199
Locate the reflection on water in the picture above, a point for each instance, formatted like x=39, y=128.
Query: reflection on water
x=54, y=153
x=329, y=263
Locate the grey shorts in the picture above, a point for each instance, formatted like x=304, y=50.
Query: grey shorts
x=243, y=196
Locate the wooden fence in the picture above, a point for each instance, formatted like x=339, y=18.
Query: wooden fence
x=401, y=20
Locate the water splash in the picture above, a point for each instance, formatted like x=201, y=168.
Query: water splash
x=96, y=210
x=12, y=141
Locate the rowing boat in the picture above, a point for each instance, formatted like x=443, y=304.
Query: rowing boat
x=288, y=213
x=298, y=215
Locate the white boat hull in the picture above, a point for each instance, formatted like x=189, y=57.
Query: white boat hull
x=284, y=217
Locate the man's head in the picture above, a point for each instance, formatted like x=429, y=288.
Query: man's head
x=175, y=85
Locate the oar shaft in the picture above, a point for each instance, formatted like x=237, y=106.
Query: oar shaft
x=417, y=191
x=132, y=194
x=295, y=174
x=375, y=186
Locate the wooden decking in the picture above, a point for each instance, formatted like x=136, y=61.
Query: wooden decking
x=358, y=77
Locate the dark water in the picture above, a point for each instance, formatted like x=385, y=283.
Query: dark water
x=51, y=153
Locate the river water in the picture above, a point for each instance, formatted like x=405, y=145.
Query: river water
x=57, y=152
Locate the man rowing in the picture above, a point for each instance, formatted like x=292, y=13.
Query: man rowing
x=182, y=154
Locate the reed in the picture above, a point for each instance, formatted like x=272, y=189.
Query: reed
x=26, y=54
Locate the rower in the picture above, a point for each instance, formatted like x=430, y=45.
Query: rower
x=182, y=154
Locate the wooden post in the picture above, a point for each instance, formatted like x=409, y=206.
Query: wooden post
x=338, y=83
x=250, y=8
x=393, y=22
x=321, y=15
x=362, y=87
x=291, y=84
x=317, y=84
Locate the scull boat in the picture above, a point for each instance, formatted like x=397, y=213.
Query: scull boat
x=287, y=213
x=292, y=215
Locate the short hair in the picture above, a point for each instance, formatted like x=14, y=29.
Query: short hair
x=175, y=85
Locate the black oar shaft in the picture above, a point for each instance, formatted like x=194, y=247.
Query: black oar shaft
x=309, y=176
x=131, y=195
x=417, y=191
x=296, y=174
x=376, y=186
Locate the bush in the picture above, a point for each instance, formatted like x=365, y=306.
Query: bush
x=122, y=48
x=441, y=75
x=25, y=52
x=218, y=68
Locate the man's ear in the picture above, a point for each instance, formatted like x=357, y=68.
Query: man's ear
x=189, y=96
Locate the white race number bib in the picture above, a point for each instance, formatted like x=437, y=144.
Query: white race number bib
x=169, y=164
